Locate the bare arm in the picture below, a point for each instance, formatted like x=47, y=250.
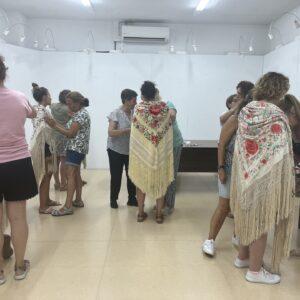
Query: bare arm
x=70, y=133
x=173, y=114
x=33, y=113
x=225, y=116
x=114, y=132
x=228, y=130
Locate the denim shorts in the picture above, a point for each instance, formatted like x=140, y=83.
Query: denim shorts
x=224, y=189
x=74, y=158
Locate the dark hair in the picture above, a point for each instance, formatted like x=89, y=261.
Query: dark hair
x=78, y=98
x=148, y=91
x=288, y=102
x=271, y=87
x=63, y=96
x=3, y=69
x=229, y=100
x=246, y=87
x=246, y=101
x=38, y=92
x=127, y=95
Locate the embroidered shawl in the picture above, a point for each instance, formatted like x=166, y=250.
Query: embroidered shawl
x=151, y=148
x=263, y=178
x=42, y=134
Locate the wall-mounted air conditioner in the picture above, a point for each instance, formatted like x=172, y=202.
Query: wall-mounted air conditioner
x=141, y=34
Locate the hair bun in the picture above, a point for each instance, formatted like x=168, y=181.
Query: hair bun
x=86, y=102
x=35, y=85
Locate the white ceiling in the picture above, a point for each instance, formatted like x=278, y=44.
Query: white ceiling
x=220, y=11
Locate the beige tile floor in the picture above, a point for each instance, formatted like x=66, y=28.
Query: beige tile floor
x=103, y=254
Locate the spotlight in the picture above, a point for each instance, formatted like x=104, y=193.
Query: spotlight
x=6, y=32
x=35, y=44
x=195, y=48
x=251, y=49
x=22, y=38
x=271, y=36
x=172, y=49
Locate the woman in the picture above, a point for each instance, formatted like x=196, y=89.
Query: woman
x=151, y=151
x=43, y=149
x=169, y=204
x=262, y=179
x=118, y=147
x=225, y=155
x=291, y=107
x=78, y=134
x=16, y=173
x=60, y=113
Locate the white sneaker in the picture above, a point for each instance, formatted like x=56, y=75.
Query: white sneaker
x=21, y=274
x=208, y=247
x=235, y=241
x=2, y=278
x=262, y=276
x=241, y=263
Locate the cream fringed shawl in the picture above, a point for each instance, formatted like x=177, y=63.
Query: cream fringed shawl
x=42, y=134
x=151, y=149
x=263, y=178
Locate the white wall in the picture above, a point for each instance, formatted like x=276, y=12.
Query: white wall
x=197, y=84
x=285, y=25
x=286, y=60
x=72, y=36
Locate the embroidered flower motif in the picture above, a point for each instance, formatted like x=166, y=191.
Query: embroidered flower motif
x=246, y=175
x=154, y=139
x=276, y=129
x=251, y=147
x=264, y=161
x=155, y=110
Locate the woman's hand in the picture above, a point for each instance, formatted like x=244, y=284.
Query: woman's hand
x=50, y=121
x=222, y=176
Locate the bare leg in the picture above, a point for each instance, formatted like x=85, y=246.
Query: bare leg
x=257, y=251
x=16, y=212
x=56, y=174
x=160, y=203
x=218, y=218
x=1, y=239
x=78, y=185
x=44, y=191
x=243, y=252
x=141, y=201
x=71, y=178
x=63, y=171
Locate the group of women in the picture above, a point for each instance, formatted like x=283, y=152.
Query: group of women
x=256, y=173
x=59, y=138
x=255, y=156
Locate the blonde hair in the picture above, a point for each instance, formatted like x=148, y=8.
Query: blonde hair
x=271, y=87
x=288, y=103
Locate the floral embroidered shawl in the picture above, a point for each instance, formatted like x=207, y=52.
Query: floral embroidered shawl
x=151, y=148
x=263, y=177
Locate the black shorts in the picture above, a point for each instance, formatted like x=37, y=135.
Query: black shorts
x=17, y=180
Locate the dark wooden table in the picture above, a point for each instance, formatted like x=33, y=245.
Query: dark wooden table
x=199, y=156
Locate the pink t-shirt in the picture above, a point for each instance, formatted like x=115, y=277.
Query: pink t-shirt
x=14, y=109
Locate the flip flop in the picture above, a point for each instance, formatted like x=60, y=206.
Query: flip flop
x=64, y=211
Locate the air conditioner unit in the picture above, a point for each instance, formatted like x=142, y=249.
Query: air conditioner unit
x=141, y=34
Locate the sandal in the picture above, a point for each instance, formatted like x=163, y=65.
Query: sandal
x=53, y=203
x=47, y=211
x=78, y=203
x=2, y=277
x=159, y=218
x=21, y=273
x=64, y=211
x=142, y=218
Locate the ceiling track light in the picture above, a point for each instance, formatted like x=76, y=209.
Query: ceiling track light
x=251, y=47
x=91, y=39
x=23, y=37
x=48, y=32
x=86, y=3
x=3, y=14
x=271, y=31
x=202, y=5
